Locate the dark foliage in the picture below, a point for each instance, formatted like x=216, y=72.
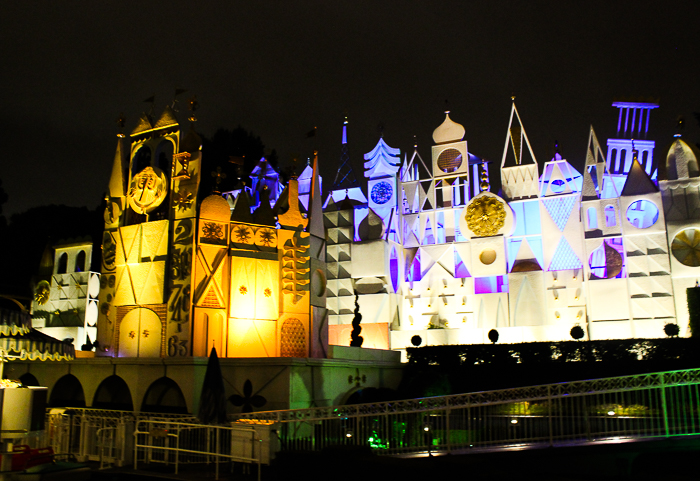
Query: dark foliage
x=25, y=238
x=693, y=294
x=481, y=367
x=493, y=336
x=218, y=151
x=671, y=330
x=577, y=332
x=355, y=339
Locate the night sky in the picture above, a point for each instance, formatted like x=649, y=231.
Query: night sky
x=279, y=68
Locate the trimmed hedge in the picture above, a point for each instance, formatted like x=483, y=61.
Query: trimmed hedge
x=539, y=353
x=438, y=370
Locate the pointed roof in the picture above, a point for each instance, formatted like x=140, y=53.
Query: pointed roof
x=315, y=226
x=598, y=166
x=681, y=160
x=166, y=119
x=144, y=125
x=117, y=182
x=516, y=136
x=382, y=160
x=448, y=131
x=345, y=176
x=638, y=181
x=192, y=142
x=292, y=217
x=241, y=209
x=264, y=215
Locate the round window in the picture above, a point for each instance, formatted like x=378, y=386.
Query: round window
x=642, y=214
x=557, y=186
x=381, y=192
x=487, y=256
x=685, y=247
x=449, y=160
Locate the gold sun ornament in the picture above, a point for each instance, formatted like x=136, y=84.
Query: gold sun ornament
x=686, y=247
x=41, y=295
x=485, y=216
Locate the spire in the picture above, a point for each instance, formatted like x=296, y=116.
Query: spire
x=514, y=139
x=596, y=171
x=638, y=181
x=117, y=182
x=315, y=226
x=345, y=177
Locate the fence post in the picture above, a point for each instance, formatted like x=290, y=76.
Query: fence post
x=447, y=426
x=664, y=406
x=549, y=410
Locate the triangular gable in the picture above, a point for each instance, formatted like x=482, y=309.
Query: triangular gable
x=513, y=153
x=638, y=182
x=416, y=169
x=559, y=209
x=460, y=271
x=564, y=257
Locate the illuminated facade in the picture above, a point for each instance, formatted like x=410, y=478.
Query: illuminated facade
x=436, y=258
x=427, y=254
x=177, y=281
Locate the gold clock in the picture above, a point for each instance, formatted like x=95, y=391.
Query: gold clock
x=485, y=216
x=147, y=190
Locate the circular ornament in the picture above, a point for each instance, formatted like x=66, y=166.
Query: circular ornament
x=485, y=216
x=685, y=247
x=147, y=190
x=381, y=192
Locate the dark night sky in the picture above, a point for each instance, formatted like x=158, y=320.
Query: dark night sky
x=278, y=68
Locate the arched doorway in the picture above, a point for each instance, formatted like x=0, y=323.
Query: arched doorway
x=28, y=379
x=113, y=393
x=164, y=396
x=67, y=392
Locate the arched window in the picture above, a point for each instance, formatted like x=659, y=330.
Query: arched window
x=620, y=164
x=164, y=396
x=28, y=379
x=592, y=213
x=610, y=220
x=113, y=393
x=613, y=159
x=62, y=264
x=67, y=393
x=141, y=160
x=80, y=262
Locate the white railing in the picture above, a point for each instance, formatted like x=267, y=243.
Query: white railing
x=186, y=443
x=640, y=406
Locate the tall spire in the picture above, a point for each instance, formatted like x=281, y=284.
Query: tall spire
x=315, y=226
x=345, y=177
x=516, y=138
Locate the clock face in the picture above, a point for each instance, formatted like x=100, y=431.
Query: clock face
x=485, y=216
x=147, y=190
x=381, y=192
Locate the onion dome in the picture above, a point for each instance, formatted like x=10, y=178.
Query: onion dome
x=215, y=207
x=681, y=161
x=448, y=131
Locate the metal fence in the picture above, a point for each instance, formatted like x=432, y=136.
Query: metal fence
x=639, y=406
x=119, y=438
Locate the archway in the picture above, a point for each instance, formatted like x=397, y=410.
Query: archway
x=164, y=396
x=67, y=392
x=113, y=393
x=28, y=379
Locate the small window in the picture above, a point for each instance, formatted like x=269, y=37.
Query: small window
x=592, y=218
x=62, y=264
x=80, y=262
x=610, y=216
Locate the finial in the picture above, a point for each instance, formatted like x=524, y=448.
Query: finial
x=121, y=120
x=512, y=98
x=193, y=105
x=635, y=152
x=556, y=147
x=680, y=125
x=484, y=176
x=152, y=101
x=447, y=107
x=175, y=101
x=380, y=127
x=415, y=142
x=218, y=177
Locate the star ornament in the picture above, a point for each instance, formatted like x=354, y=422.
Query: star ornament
x=485, y=216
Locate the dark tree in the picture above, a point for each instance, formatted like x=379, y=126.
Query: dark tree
x=671, y=329
x=577, y=332
x=234, y=151
x=493, y=336
x=355, y=338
